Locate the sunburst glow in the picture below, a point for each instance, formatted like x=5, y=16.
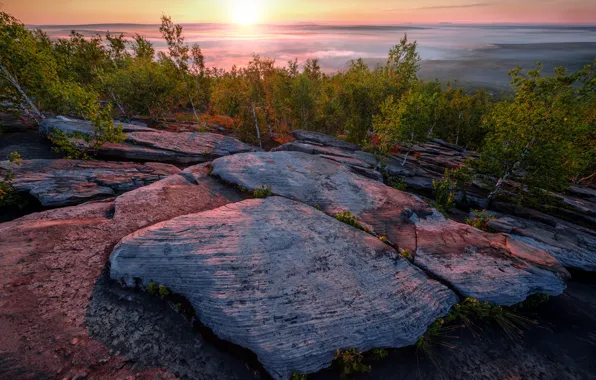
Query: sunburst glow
x=246, y=12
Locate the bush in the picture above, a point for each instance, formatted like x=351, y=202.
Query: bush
x=350, y=361
x=398, y=183
x=8, y=196
x=445, y=188
x=262, y=192
x=347, y=218
x=480, y=220
x=152, y=288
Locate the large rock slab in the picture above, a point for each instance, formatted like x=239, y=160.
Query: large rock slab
x=286, y=281
x=57, y=183
x=50, y=261
x=146, y=144
x=573, y=246
x=403, y=218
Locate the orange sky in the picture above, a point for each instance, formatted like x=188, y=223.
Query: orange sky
x=280, y=11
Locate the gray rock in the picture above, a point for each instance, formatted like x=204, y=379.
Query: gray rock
x=146, y=144
x=397, y=215
x=57, y=183
x=322, y=139
x=573, y=246
x=285, y=281
x=489, y=267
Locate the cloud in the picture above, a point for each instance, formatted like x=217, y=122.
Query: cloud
x=458, y=6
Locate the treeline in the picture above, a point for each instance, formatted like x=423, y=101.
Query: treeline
x=544, y=135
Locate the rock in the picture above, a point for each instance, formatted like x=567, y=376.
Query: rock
x=50, y=261
x=57, y=183
x=146, y=144
x=285, y=281
x=406, y=221
x=322, y=139
x=573, y=246
x=489, y=267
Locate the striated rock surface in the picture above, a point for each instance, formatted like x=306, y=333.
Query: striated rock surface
x=406, y=221
x=573, y=246
x=146, y=144
x=58, y=183
x=50, y=261
x=285, y=281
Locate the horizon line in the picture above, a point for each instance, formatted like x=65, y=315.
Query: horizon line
x=333, y=23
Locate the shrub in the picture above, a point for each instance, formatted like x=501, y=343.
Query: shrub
x=384, y=239
x=163, y=291
x=397, y=183
x=406, y=254
x=347, y=218
x=446, y=186
x=63, y=145
x=8, y=196
x=466, y=314
x=297, y=376
x=379, y=353
x=350, y=361
x=480, y=220
x=262, y=192
x=152, y=288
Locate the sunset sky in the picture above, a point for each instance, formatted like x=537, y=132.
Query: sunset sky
x=40, y=12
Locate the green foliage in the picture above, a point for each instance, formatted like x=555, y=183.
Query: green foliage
x=347, y=218
x=297, y=376
x=152, y=288
x=350, y=362
x=445, y=188
x=384, y=239
x=406, y=254
x=62, y=144
x=164, y=291
x=546, y=135
x=397, y=183
x=8, y=196
x=480, y=220
x=469, y=313
x=262, y=192
x=379, y=353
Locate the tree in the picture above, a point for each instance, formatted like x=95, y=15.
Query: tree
x=534, y=137
x=410, y=120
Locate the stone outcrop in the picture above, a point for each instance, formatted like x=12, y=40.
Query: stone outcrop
x=519, y=269
x=288, y=282
x=50, y=261
x=57, y=183
x=146, y=144
x=573, y=246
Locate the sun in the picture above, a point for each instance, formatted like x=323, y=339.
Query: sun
x=245, y=12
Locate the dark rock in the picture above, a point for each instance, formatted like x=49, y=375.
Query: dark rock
x=322, y=139
x=146, y=144
x=57, y=183
x=285, y=281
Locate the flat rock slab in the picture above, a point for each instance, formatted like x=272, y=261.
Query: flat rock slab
x=286, y=281
x=57, y=183
x=146, y=144
x=334, y=188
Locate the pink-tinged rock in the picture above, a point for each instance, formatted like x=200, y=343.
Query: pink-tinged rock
x=58, y=183
x=146, y=144
x=286, y=281
x=406, y=221
x=51, y=260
